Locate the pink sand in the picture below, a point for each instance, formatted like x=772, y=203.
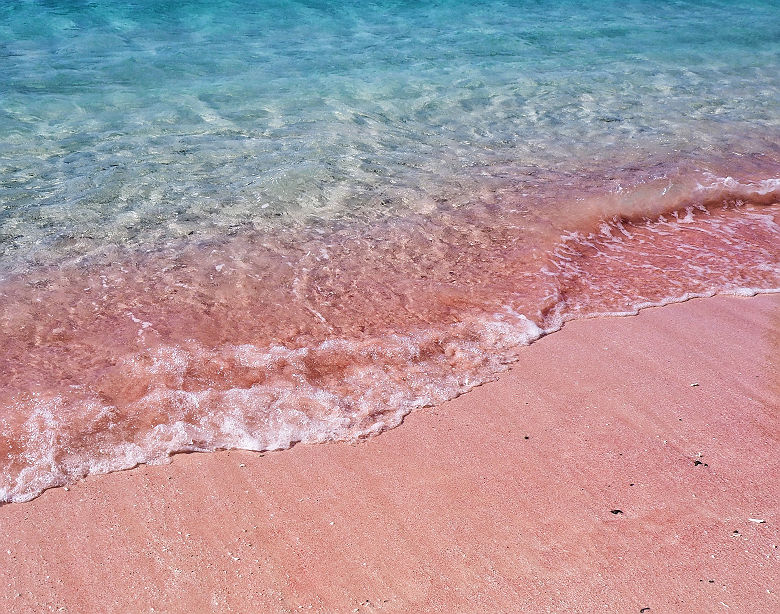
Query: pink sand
x=498, y=501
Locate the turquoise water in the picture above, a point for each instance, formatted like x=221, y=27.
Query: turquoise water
x=139, y=122
x=250, y=224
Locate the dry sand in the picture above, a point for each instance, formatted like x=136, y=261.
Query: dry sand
x=503, y=500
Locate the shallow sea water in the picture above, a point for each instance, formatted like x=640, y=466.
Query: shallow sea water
x=247, y=224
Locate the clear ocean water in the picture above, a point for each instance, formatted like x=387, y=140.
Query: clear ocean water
x=252, y=223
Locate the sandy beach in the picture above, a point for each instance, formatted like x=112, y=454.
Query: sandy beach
x=622, y=465
x=278, y=286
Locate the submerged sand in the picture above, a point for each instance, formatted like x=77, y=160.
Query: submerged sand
x=622, y=464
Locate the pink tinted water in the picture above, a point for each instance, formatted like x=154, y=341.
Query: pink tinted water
x=265, y=339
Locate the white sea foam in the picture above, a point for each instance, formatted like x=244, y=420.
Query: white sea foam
x=388, y=378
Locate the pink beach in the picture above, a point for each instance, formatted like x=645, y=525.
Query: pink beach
x=622, y=465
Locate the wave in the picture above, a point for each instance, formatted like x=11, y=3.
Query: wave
x=263, y=340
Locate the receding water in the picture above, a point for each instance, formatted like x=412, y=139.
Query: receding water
x=245, y=224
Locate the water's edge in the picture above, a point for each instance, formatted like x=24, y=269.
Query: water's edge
x=508, y=366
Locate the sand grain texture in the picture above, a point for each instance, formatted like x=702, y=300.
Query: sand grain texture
x=499, y=501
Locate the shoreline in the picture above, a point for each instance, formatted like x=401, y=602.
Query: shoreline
x=572, y=482
x=257, y=346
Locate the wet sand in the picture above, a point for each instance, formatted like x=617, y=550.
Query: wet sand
x=622, y=464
